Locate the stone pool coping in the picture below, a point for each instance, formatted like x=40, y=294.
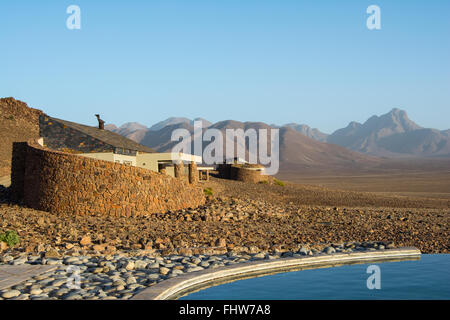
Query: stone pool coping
x=182, y=285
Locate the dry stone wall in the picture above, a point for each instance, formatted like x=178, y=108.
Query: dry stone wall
x=246, y=175
x=193, y=173
x=69, y=184
x=240, y=173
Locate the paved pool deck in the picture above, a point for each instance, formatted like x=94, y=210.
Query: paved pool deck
x=12, y=275
x=182, y=285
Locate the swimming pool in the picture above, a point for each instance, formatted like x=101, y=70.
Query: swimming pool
x=427, y=278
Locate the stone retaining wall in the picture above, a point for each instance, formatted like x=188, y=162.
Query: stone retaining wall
x=193, y=173
x=69, y=184
x=246, y=175
x=240, y=173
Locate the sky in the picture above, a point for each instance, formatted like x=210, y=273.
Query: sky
x=275, y=61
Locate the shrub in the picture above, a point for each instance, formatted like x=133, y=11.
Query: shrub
x=208, y=191
x=263, y=182
x=278, y=182
x=10, y=237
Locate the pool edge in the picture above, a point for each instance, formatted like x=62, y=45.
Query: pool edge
x=176, y=287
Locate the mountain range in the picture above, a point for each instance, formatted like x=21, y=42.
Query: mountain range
x=306, y=130
x=355, y=149
x=296, y=150
x=391, y=135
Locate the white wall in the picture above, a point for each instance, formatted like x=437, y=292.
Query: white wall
x=125, y=159
x=107, y=156
x=147, y=161
x=112, y=157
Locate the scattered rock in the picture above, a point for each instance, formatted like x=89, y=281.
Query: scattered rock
x=140, y=264
x=154, y=265
x=129, y=265
x=85, y=241
x=287, y=254
x=41, y=221
x=185, y=251
x=36, y=291
x=3, y=246
x=164, y=271
x=329, y=250
x=303, y=251
x=259, y=256
x=153, y=276
x=52, y=253
x=221, y=242
x=99, y=247
x=390, y=246
x=11, y=294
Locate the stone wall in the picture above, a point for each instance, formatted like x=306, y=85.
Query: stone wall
x=224, y=171
x=64, y=183
x=246, y=174
x=241, y=173
x=19, y=153
x=179, y=170
x=193, y=173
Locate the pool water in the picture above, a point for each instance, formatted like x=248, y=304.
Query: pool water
x=427, y=278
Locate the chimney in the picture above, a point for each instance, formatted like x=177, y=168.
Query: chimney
x=101, y=123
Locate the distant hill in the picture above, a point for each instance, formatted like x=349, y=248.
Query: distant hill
x=132, y=130
x=130, y=127
x=161, y=139
x=173, y=121
x=357, y=146
x=138, y=132
x=308, y=131
x=392, y=135
x=297, y=151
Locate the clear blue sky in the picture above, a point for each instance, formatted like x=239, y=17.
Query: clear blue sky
x=276, y=61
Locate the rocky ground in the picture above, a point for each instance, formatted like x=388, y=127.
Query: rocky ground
x=228, y=222
x=240, y=222
x=301, y=195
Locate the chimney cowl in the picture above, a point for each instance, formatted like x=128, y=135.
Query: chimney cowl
x=101, y=123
